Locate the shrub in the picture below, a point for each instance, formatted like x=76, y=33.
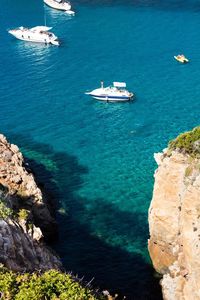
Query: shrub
x=188, y=171
x=188, y=142
x=51, y=285
x=23, y=214
x=7, y=284
x=5, y=212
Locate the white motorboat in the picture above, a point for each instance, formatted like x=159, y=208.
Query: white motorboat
x=39, y=34
x=115, y=93
x=60, y=5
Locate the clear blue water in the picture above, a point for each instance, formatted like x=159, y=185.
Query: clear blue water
x=96, y=159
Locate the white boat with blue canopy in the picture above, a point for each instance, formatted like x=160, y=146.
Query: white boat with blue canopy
x=115, y=93
x=60, y=5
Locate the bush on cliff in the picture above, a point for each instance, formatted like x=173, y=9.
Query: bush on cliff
x=188, y=142
x=51, y=285
x=23, y=214
x=5, y=212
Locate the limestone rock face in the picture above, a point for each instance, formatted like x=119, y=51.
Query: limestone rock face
x=174, y=222
x=22, y=189
x=21, y=246
x=19, y=251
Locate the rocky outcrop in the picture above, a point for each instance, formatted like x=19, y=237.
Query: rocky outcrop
x=21, y=251
x=174, y=222
x=22, y=231
x=17, y=179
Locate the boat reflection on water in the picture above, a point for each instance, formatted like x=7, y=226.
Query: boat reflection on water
x=55, y=14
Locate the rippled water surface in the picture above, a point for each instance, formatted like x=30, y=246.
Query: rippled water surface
x=96, y=159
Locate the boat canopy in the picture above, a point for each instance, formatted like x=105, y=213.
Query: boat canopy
x=40, y=28
x=119, y=84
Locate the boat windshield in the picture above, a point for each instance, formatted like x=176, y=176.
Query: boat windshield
x=46, y=33
x=119, y=84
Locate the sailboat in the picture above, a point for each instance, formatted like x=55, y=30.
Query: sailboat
x=60, y=5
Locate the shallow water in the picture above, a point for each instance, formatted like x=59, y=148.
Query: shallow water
x=96, y=159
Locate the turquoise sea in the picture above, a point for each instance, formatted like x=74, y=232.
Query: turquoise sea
x=95, y=159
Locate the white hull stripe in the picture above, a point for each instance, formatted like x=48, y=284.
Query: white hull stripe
x=111, y=97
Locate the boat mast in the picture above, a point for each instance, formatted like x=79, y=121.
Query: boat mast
x=45, y=19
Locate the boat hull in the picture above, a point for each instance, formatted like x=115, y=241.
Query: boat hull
x=28, y=37
x=111, y=94
x=181, y=60
x=111, y=98
x=58, y=6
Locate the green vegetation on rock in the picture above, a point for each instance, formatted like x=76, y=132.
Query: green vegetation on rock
x=188, y=171
x=23, y=214
x=51, y=285
x=188, y=143
x=5, y=212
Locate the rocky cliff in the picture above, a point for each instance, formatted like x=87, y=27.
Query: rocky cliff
x=174, y=218
x=24, y=216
